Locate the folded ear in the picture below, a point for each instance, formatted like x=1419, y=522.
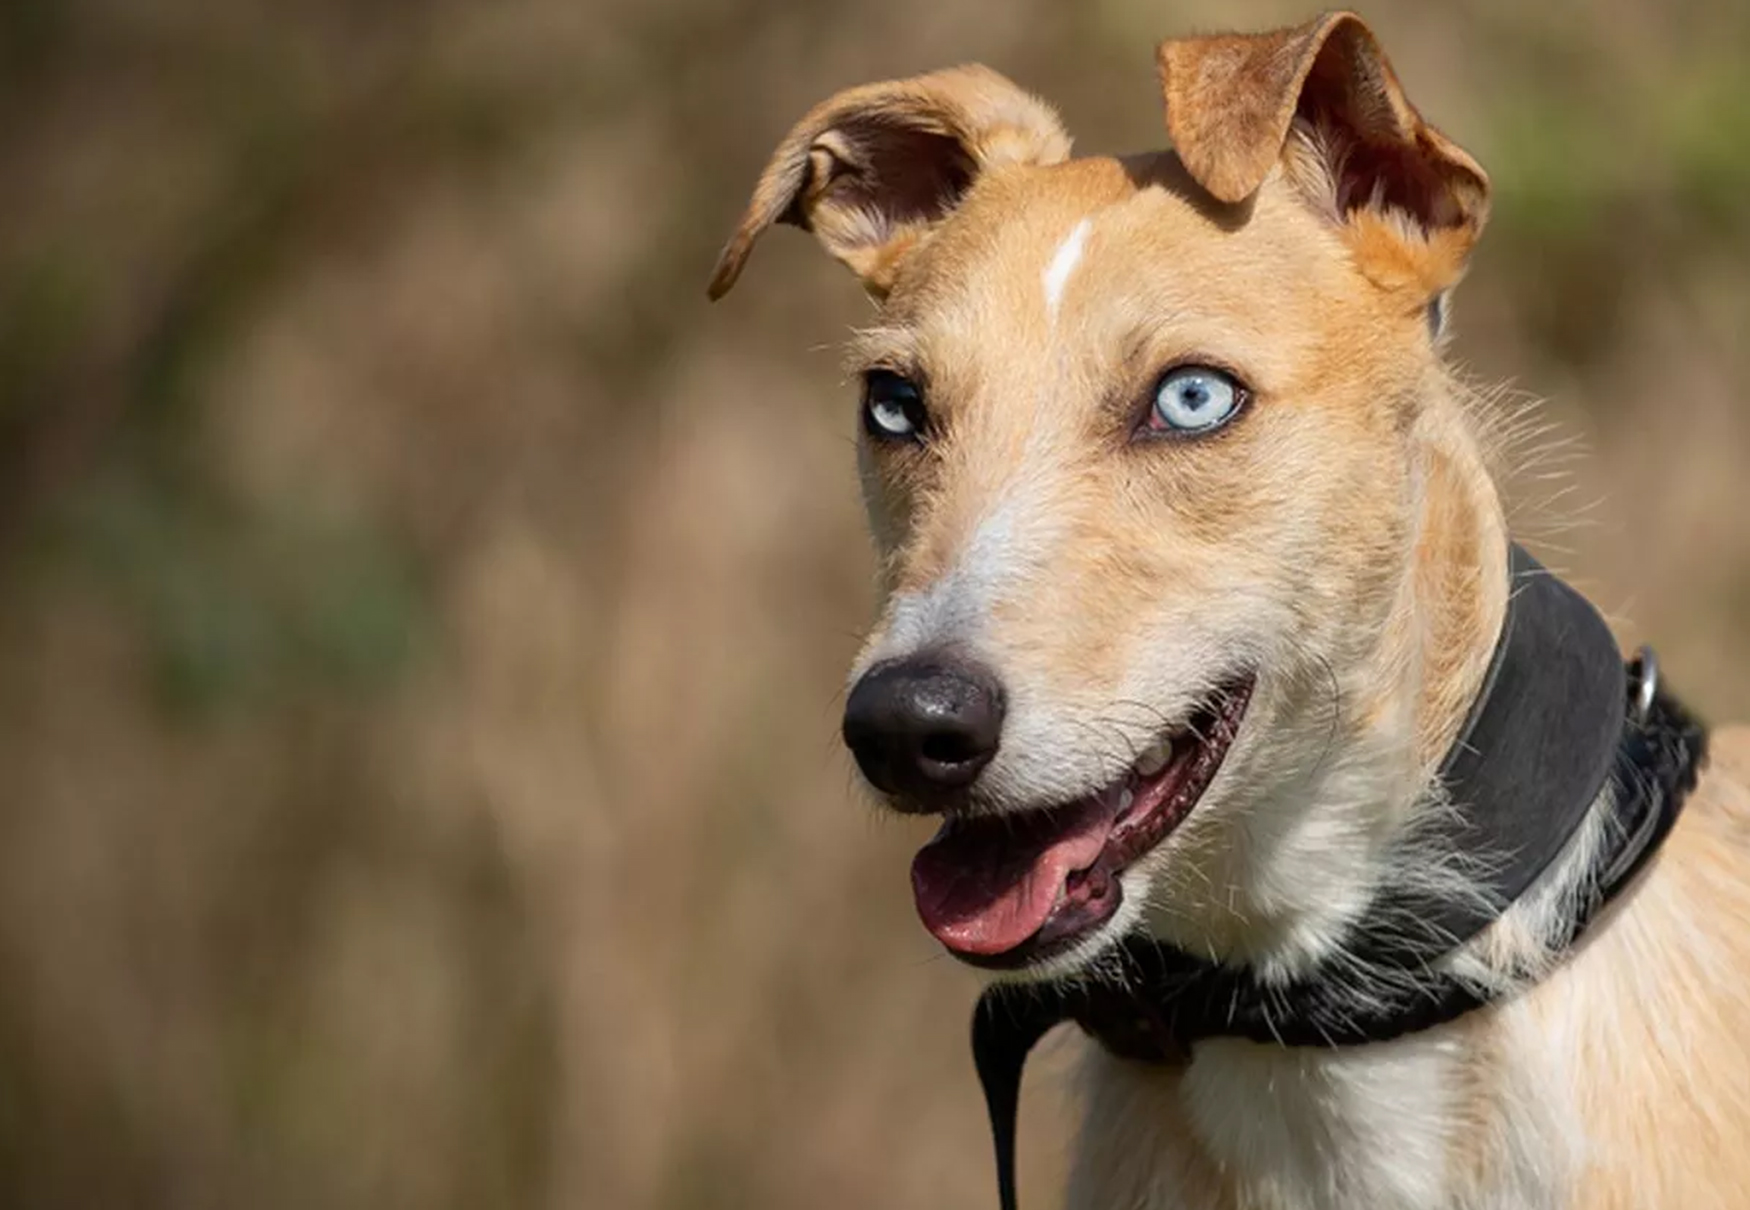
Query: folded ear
x=871, y=170
x=1323, y=99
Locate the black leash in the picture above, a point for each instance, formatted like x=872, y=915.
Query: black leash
x=1559, y=719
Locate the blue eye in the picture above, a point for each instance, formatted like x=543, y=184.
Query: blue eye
x=893, y=407
x=1195, y=399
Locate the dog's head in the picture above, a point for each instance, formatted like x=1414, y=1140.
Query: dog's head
x=1160, y=460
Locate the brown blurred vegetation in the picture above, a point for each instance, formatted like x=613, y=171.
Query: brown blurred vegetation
x=423, y=617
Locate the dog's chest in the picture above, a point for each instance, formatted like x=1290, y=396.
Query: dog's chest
x=1246, y=1127
x=1307, y=1130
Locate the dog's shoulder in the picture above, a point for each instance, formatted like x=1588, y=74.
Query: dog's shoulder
x=1658, y=1011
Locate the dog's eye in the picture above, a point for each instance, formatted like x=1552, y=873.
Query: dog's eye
x=893, y=407
x=1195, y=399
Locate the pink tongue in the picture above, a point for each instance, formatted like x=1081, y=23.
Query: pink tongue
x=984, y=886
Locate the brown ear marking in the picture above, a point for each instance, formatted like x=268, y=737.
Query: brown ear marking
x=1232, y=102
x=872, y=169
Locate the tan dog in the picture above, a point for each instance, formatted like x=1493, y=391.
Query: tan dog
x=1165, y=467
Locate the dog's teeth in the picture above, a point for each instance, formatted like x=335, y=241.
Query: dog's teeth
x=1154, y=760
x=1126, y=796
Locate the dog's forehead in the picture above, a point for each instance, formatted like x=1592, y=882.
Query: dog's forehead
x=1098, y=248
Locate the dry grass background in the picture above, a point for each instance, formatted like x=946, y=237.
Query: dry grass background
x=422, y=618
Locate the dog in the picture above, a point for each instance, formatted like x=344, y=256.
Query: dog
x=1202, y=630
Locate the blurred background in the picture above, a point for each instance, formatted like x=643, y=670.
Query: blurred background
x=422, y=617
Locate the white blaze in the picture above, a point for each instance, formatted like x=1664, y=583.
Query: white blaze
x=1063, y=262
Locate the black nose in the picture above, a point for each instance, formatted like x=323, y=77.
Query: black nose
x=923, y=728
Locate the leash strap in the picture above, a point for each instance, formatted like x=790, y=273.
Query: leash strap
x=1004, y=1031
x=1559, y=717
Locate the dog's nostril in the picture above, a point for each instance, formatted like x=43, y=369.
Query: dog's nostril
x=924, y=728
x=950, y=748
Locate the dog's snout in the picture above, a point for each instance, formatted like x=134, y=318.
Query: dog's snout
x=924, y=728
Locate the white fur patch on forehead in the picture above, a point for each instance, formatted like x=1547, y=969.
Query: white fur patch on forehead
x=1055, y=275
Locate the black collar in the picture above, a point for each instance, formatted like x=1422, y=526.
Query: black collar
x=1559, y=720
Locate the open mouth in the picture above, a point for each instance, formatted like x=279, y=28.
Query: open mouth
x=1006, y=891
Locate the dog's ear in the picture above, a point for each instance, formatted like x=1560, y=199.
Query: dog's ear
x=871, y=170
x=1322, y=100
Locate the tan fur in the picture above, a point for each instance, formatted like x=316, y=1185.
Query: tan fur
x=1233, y=100
x=1658, y=1013
x=1343, y=538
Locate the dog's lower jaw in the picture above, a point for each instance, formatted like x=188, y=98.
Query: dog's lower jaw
x=1298, y=834
x=1273, y=867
